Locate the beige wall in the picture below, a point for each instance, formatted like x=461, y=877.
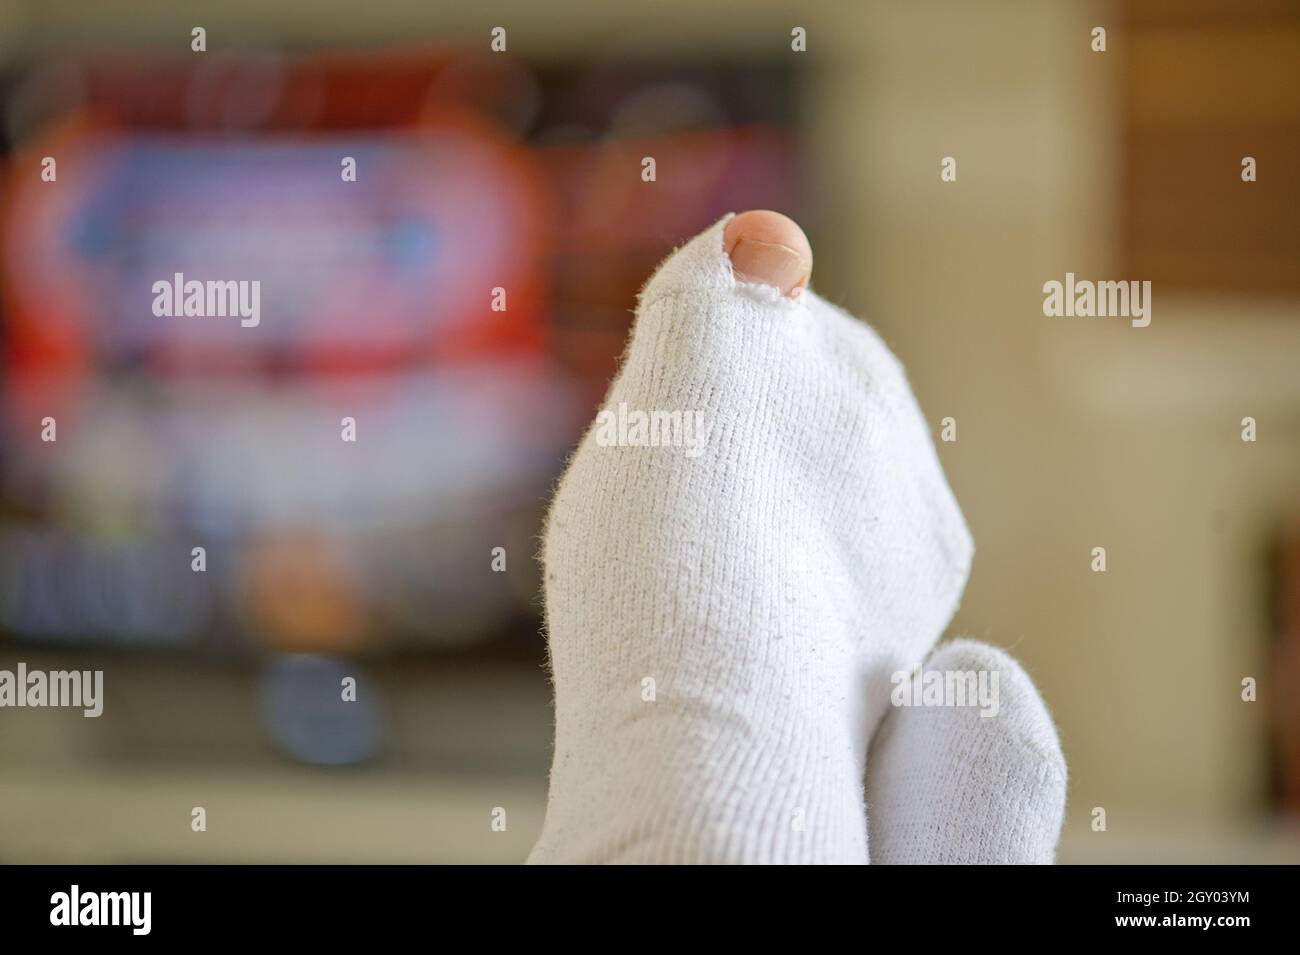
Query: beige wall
x=1071, y=434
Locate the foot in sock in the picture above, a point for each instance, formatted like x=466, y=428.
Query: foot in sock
x=724, y=614
x=946, y=784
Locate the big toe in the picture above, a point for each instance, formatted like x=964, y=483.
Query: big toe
x=768, y=248
x=757, y=248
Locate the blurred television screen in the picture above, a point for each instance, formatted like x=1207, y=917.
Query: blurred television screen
x=446, y=249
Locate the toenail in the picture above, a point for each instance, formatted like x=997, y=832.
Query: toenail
x=769, y=263
x=769, y=248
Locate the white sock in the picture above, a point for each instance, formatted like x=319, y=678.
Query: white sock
x=946, y=785
x=765, y=588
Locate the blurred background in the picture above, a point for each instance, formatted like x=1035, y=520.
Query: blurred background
x=521, y=170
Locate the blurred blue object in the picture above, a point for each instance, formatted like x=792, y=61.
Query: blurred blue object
x=305, y=710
